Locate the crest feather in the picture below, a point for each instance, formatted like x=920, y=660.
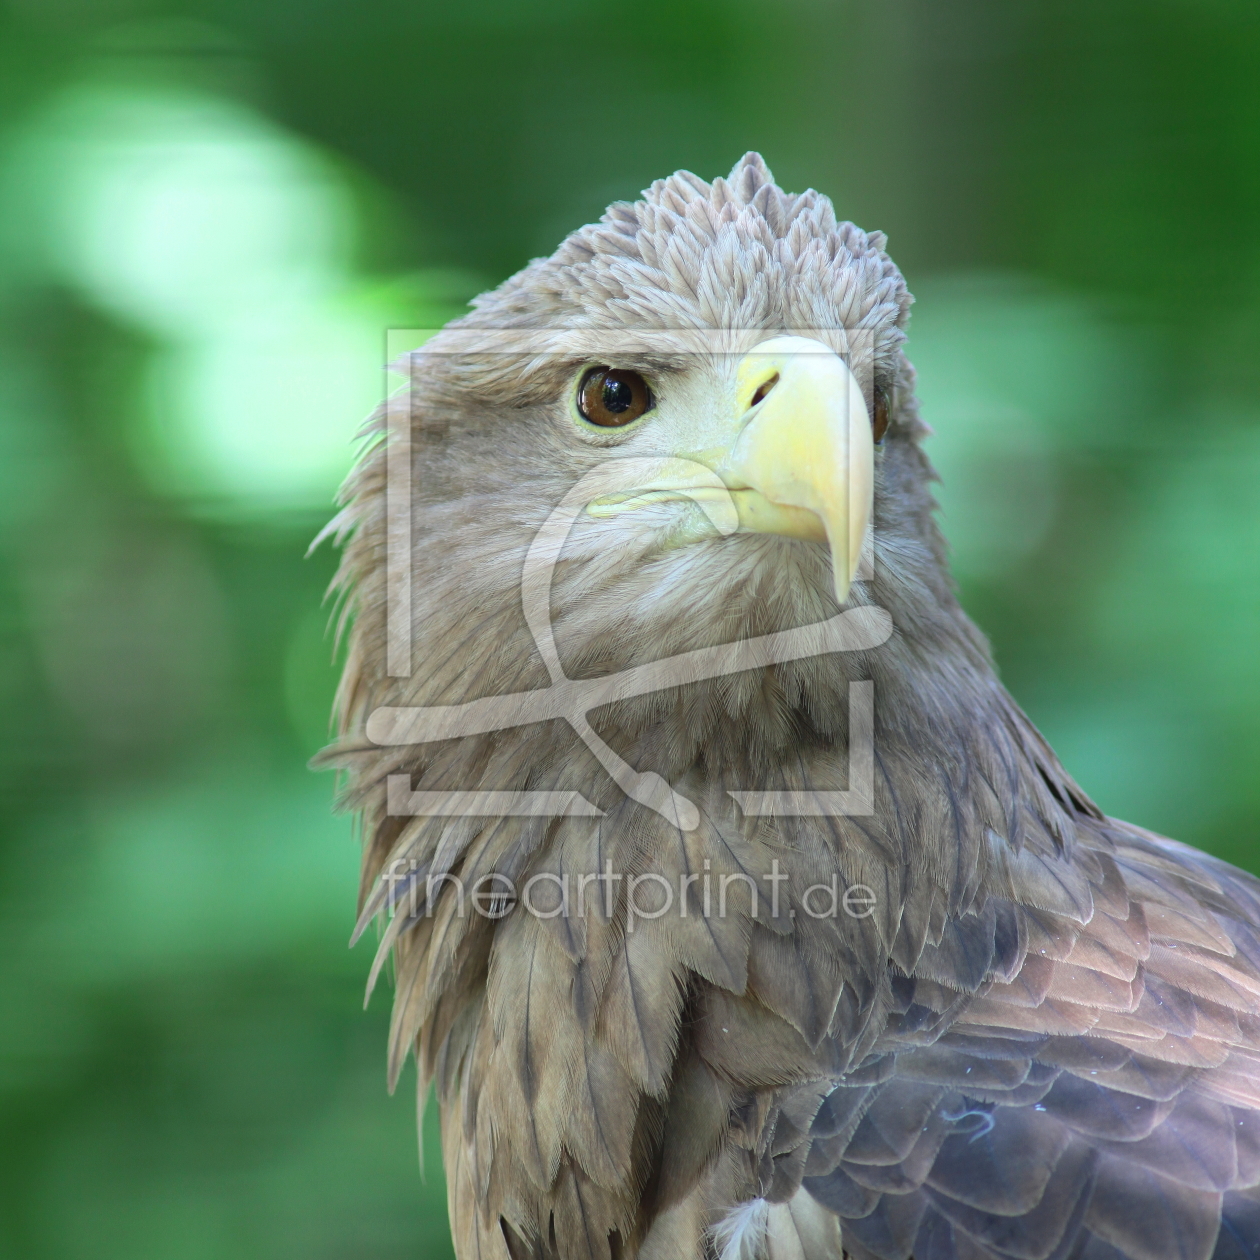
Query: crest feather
x=735, y=253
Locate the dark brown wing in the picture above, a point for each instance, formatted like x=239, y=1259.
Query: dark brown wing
x=1102, y=1105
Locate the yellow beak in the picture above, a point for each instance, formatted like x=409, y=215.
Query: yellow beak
x=804, y=461
x=800, y=460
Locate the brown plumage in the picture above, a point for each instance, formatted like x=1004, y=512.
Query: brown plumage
x=1043, y=1043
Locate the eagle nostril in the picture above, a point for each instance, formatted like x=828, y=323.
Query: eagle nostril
x=763, y=389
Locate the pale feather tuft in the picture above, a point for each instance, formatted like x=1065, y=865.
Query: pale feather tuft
x=741, y=1233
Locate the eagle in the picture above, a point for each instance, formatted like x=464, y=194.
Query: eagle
x=734, y=908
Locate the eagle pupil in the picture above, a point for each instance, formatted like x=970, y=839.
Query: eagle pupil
x=618, y=396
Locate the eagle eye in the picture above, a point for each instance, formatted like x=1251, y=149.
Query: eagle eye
x=879, y=415
x=612, y=397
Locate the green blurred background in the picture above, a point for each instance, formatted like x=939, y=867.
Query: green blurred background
x=209, y=215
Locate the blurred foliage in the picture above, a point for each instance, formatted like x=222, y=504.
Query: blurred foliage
x=211, y=212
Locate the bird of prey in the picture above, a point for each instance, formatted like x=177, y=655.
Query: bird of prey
x=735, y=909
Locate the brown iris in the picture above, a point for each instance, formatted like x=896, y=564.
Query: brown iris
x=611, y=397
x=879, y=414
